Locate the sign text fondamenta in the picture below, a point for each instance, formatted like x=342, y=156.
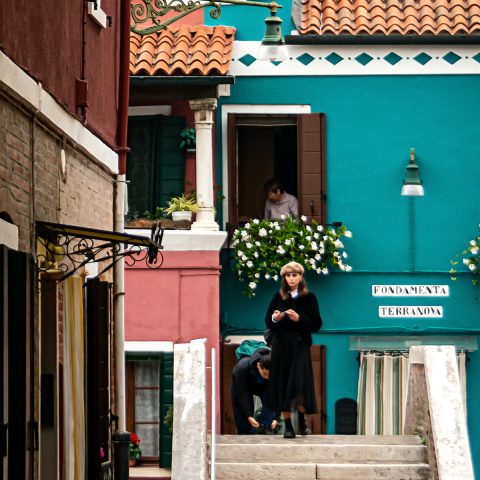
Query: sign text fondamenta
x=410, y=291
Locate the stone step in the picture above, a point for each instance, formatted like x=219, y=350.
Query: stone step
x=323, y=439
x=298, y=471
x=315, y=452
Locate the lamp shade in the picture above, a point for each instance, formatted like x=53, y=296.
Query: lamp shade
x=412, y=186
x=273, y=47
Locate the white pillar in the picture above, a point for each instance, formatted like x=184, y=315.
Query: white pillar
x=203, y=111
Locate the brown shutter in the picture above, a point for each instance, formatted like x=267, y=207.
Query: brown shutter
x=98, y=360
x=311, y=166
x=228, y=362
x=318, y=364
x=232, y=170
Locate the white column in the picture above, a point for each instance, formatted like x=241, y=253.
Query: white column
x=203, y=111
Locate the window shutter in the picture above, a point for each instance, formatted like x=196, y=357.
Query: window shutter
x=166, y=401
x=98, y=372
x=232, y=170
x=312, y=166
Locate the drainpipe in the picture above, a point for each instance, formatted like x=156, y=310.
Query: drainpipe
x=119, y=277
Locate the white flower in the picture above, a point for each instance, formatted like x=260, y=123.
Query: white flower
x=472, y=267
x=267, y=276
x=473, y=243
x=249, y=264
x=257, y=243
x=466, y=261
x=257, y=275
x=280, y=250
x=248, y=245
x=312, y=261
x=308, y=228
x=338, y=243
x=252, y=285
x=303, y=218
x=319, y=270
x=282, y=217
x=288, y=241
x=301, y=247
x=275, y=277
x=316, y=236
x=336, y=254
x=262, y=232
x=244, y=234
x=474, y=251
x=318, y=257
x=244, y=258
x=235, y=232
x=308, y=238
x=240, y=253
x=256, y=221
x=247, y=226
x=255, y=254
x=277, y=227
x=321, y=251
x=348, y=268
x=314, y=246
x=320, y=228
x=344, y=255
x=325, y=271
x=348, y=234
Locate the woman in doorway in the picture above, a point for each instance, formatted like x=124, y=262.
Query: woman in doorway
x=292, y=316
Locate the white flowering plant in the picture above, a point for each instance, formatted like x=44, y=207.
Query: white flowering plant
x=470, y=258
x=262, y=247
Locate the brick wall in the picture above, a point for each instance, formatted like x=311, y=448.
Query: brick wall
x=83, y=196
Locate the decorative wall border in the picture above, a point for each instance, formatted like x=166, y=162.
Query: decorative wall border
x=322, y=60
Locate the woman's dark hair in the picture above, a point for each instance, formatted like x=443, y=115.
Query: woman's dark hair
x=285, y=291
x=265, y=361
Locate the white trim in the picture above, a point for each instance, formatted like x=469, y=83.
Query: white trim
x=248, y=109
x=150, y=110
x=8, y=235
x=319, y=66
x=238, y=339
x=187, y=240
x=98, y=14
x=132, y=347
x=33, y=94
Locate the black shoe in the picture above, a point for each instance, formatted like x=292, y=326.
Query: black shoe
x=289, y=432
x=304, y=429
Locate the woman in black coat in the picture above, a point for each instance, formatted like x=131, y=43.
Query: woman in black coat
x=292, y=316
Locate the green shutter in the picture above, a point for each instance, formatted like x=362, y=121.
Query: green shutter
x=155, y=163
x=166, y=401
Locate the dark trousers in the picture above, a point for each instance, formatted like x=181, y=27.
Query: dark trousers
x=242, y=424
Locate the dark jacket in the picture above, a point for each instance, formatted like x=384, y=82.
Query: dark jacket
x=247, y=382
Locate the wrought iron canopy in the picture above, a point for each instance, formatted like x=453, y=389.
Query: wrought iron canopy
x=67, y=248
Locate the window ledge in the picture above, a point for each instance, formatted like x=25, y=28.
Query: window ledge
x=187, y=240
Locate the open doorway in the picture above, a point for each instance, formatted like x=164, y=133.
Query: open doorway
x=267, y=148
x=290, y=147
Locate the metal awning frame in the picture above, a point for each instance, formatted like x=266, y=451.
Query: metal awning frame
x=69, y=248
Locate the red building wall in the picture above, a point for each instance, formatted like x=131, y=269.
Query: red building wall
x=45, y=39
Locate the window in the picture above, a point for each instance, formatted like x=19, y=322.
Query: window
x=156, y=163
x=289, y=147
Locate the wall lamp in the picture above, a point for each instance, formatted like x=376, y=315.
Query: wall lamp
x=412, y=185
x=272, y=48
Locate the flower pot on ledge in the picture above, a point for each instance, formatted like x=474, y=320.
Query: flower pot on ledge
x=182, y=215
x=132, y=462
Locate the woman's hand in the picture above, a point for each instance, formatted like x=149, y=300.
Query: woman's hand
x=274, y=425
x=292, y=315
x=278, y=315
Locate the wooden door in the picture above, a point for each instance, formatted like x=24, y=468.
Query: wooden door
x=317, y=421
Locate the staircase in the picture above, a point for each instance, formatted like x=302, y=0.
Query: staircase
x=321, y=457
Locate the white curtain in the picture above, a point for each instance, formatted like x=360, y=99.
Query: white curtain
x=382, y=391
x=73, y=384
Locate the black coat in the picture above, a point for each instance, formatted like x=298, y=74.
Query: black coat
x=246, y=383
x=291, y=374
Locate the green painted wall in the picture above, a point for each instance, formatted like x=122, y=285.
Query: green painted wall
x=372, y=122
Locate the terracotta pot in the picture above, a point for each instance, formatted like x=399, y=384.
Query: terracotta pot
x=132, y=462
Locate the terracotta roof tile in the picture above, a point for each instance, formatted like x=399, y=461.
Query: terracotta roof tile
x=183, y=50
x=387, y=16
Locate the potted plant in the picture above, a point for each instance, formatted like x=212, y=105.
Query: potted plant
x=470, y=259
x=188, y=139
x=182, y=207
x=135, y=450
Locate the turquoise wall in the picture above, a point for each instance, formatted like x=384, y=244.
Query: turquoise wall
x=372, y=122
